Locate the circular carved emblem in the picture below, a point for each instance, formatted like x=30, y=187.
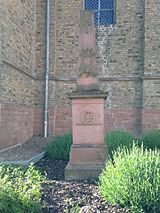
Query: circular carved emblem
x=87, y=118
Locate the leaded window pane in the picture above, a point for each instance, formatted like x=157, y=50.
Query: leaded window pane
x=103, y=11
x=106, y=17
x=106, y=4
x=96, y=18
x=91, y=4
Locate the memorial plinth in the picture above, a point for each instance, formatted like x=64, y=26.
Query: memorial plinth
x=88, y=153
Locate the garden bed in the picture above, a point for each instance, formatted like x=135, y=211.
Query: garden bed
x=59, y=195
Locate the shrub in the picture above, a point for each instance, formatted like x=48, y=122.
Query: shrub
x=132, y=180
x=20, y=189
x=59, y=148
x=151, y=139
x=118, y=138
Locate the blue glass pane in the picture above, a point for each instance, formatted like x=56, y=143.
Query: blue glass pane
x=106, y=4
x=91, y=4
x=106, y=17
x=96, y=18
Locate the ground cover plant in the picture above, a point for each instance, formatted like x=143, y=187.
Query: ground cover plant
x=132, y=179
x=59, y=148
x=20, y=189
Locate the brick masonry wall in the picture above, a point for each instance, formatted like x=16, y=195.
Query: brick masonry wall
x=152, y=55
x=16, y=124
x=1, y=64
x=151, y=96
x=40, y=38
x=39, y=68
x=124, y=60
x=126, y=43
x=121, y=63
x=19, y=33
x=18, y=88
x=38, y=107
x=18, y=68
x=1, y=67
x=150, y=119
x=152, y=40
x=65, y=21
x=18, y=51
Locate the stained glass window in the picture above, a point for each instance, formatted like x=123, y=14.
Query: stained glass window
x=104, y=13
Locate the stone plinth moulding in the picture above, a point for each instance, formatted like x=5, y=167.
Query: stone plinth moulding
x=88, y=153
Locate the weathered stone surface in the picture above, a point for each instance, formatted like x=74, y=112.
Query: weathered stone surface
x=88, y=137
x=87, y=112
x=83, y=173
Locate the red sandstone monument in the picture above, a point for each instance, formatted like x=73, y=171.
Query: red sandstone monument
x=88, y=152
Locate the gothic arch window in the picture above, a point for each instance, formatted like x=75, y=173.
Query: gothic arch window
x=104, y=11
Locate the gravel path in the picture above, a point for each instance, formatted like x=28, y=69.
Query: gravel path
x=26, y=151
x=59, y=195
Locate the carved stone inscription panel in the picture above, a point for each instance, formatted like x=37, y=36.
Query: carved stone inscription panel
x=87, y=118
x=88, y=121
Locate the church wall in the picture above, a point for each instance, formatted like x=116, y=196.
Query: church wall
x=123, y=59
x=151, y=82
x=128, y=60
x=18, y=67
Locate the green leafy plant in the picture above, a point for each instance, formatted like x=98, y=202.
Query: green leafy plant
x=132, y=179
x=70, y=208
x=74, y=209
x=151, y=139
x=20, y=189
x=118, y=138
x=59, y=148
